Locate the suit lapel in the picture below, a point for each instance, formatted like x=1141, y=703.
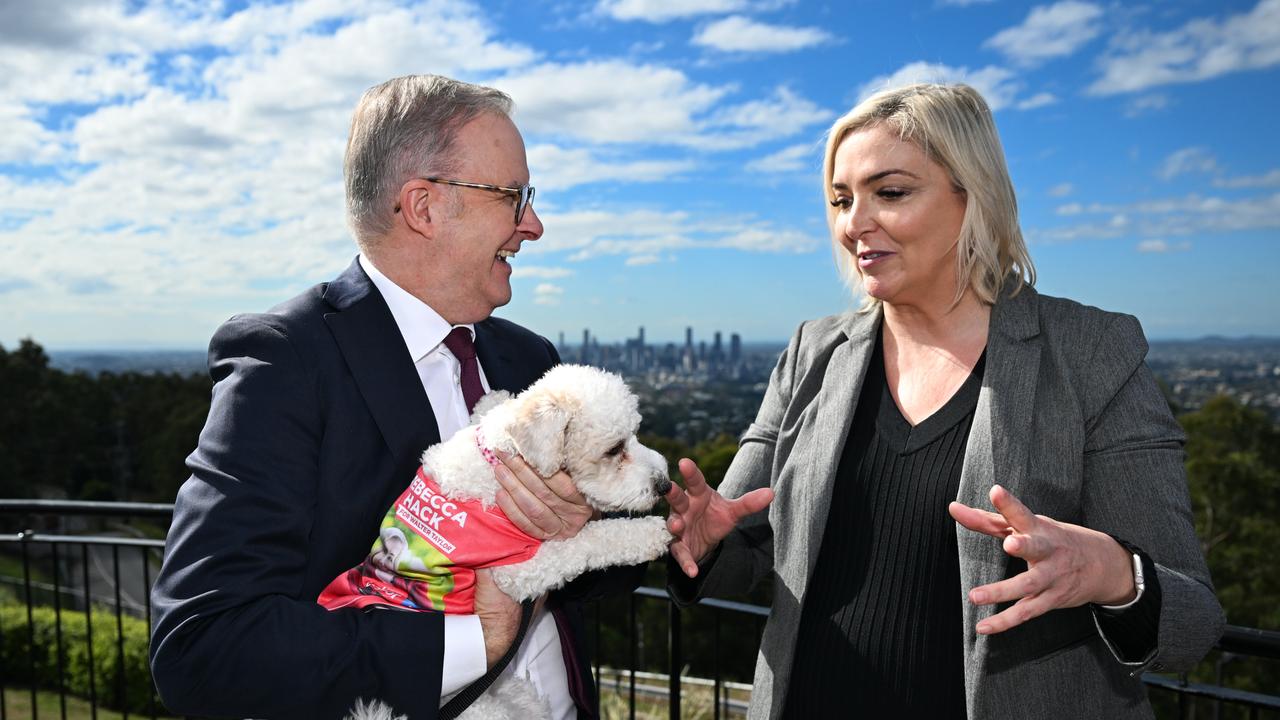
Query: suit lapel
x=374, y=350
x=823, y=444
x=495, y=357
x=997, y=451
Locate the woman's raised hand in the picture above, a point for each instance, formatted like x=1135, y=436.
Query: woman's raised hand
x=701, y=517
x=1067, y=565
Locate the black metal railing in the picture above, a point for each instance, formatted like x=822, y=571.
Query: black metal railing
x=72, y=565
x=75, y=562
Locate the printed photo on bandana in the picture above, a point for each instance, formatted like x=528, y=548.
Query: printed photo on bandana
x=427, y=552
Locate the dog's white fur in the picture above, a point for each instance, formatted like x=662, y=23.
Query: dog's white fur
x=582, y=420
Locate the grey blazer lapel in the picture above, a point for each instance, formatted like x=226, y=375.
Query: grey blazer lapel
x=812, y=481
x=997, y=451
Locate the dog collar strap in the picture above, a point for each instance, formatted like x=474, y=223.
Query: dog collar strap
x=484, y=449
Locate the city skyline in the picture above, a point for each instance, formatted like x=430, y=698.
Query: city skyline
x=166, y=165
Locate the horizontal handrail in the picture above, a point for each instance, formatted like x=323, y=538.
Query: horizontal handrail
x=85, y=507
x=1250, y=641
x=27, y=536
x=1214, y=692
x=707, y=602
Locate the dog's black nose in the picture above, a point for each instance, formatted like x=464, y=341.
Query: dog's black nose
x=663, y=486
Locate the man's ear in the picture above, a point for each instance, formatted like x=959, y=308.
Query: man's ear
x=538, y=430
x=417, y=203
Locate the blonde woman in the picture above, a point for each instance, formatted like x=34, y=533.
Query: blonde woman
x=908, y=447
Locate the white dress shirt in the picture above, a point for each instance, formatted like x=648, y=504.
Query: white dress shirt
x=539, y=657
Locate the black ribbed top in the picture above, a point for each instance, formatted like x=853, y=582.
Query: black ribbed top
x=881, y=632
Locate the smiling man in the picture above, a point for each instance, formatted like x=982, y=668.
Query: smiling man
x=321, y=409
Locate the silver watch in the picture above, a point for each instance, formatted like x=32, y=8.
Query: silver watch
x=1139, y=582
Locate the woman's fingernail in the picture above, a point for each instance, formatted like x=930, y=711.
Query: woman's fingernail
x=983, y=628
x=978, y=596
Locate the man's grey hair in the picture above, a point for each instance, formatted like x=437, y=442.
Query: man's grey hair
x=402, y=129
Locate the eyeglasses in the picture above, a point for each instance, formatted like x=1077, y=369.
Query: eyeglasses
x=523, y=194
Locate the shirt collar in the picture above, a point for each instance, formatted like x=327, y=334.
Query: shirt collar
x=421, y=327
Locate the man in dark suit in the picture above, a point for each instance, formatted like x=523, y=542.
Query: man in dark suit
x=321, y=409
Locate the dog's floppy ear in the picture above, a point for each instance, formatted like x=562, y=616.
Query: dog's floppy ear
x=538, y=430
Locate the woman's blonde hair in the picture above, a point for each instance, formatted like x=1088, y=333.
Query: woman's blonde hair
x=953, y=126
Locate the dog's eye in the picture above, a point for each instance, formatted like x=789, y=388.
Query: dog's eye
x=617, y=449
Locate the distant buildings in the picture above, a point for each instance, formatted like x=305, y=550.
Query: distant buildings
x=635, y=356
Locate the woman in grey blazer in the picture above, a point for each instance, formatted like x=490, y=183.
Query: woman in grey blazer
x=887, y=433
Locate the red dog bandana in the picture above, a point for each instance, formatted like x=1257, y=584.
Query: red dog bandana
x=428, y=550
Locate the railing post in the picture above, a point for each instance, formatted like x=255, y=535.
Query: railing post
x=88, y=631
x=715, y=649
x=631, y=604
x=676, y=659
x=31, y=623
x=146, y=590
x=121, y=680
x=57, y=627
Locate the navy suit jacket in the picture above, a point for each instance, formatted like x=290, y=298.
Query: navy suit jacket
x=317, y=424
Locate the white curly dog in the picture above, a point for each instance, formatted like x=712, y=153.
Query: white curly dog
x=579, y=419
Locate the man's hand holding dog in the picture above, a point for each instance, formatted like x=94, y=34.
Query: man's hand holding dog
x=701, y=517
x=548, y=508
x=499, y=616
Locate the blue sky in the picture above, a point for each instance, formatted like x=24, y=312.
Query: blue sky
x=165, y=165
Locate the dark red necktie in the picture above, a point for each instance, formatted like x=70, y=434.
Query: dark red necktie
x=460, y=344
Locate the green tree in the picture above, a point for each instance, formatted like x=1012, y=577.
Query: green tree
x=94, y=437
x=1233, y=470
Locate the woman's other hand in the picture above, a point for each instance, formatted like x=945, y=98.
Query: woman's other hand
x=701, y=517
x=1067, y=565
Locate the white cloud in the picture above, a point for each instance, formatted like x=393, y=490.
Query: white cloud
x=657, y=11
x=1190, y=215
x=769, y=240
x=610, y=101
x=547, y=294
x=1270, y=179
x=1050, y=31
x=557, y=168
x=1038, y=100
x=25, y=139
x=219, y=180
x=998, y=85
x=737, y=33
x=638, y=260
x=586, y=234
x=1162, y=246
x=1061, y=190
x=1188, y=160
x=614, y=101
x=1144, y=104
x=795, y=158
x=1202, y=48
x=541, y=272
x=781, y=115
